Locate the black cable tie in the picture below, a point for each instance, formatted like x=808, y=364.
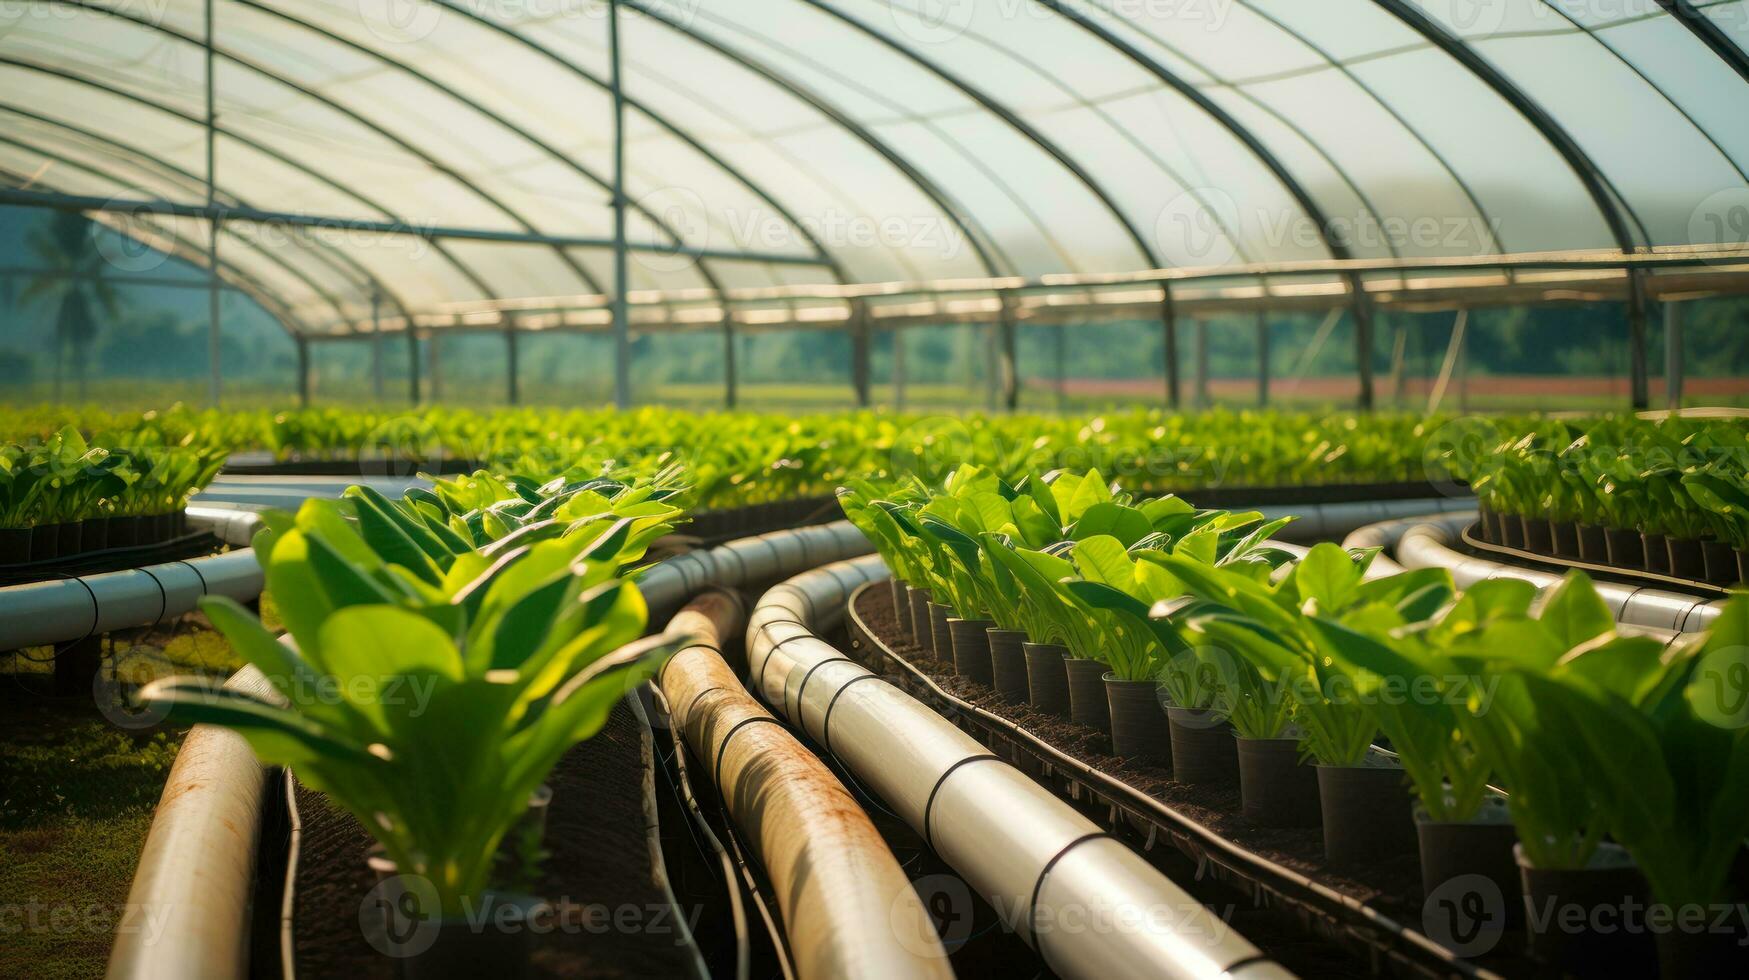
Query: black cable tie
x=929, y=804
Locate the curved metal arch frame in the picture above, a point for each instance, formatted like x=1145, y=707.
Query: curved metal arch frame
x=1709, y=34
x=302, y=276
x=829, y=260
x=332, y=257
x=1338, y=249
x=1603, y=42
x=973, y=230
x=1007, y=115
x=968, y=224
x=1170, y=172
x=976, y=161
x=1596, y=183
x=704, y=270
x=515, y=216
x=1462, y=183
x=466, y=271
x=1609, y=202
x=196, y=256
x=1340, y=171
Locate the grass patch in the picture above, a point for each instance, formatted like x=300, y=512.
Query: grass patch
x=77, y=793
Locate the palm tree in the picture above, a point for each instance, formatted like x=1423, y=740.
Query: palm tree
x=72, y=279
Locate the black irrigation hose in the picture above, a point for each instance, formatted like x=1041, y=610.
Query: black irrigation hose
x=729, y=863
x=1263, y=873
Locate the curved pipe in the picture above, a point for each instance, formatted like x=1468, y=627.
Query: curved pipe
x=1330, y=522
x=1429, y=543
x=196, y=873
x=69, y=609
x=1031, y=856
x=837, y=883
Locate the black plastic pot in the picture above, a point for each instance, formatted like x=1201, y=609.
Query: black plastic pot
x=1512, y=530
x=1276, y=789
x=971, y=648
x=1537, y=537
x=1366, y=815
x=124, y=532
x=1657, y=551
x=1008, y=664
x=901, y=606
x=1593, y=546
x=920, y=634
x=162, y=527
x=1705, y=952
x=1565, y=538
x=940, y=645
x=1203, y=749
x=68, y=539
x=45, y=542
x=14, y=545
x=94, y=534
x=1562, y=904
x=424, y=946
x=1481, y=846
x=1489, y=523
x=1139, y=729
x=532, y=824
x=1686, y=558
x=1047, y=678
x=1720, y=562
x=1087, y=704
x=1625, y=548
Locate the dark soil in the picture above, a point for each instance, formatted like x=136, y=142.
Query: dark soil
x=599, y=861
x=1392, y=884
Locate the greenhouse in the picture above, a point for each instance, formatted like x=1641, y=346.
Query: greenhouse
x=838, y=488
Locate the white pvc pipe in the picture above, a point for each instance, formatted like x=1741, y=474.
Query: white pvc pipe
x=199, y=858
x=188, y=907
x=848, y=908
x=1329, y=522
x=1092, y=907
x=1429, y=543
x=64, y=610
x=235, y=526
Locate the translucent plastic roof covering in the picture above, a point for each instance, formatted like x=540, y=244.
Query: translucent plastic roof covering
x=875, y=140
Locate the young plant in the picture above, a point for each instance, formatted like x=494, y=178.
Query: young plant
x=429, y=696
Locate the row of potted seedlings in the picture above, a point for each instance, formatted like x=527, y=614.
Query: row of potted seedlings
x=65, y=497
x=1541, y=764
x=512, y=603
x=1668, y=497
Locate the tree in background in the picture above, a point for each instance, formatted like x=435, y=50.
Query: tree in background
x=72, y=280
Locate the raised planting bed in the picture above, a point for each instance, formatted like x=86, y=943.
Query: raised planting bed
x=104, y=544
x=1375, y=904
x=1706, y=565
x=612, y=914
